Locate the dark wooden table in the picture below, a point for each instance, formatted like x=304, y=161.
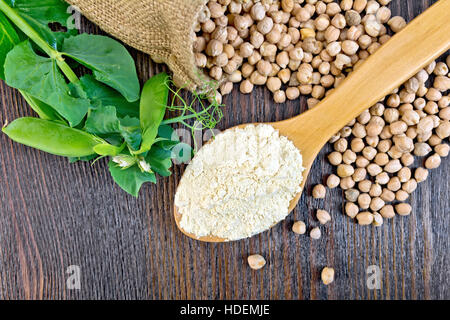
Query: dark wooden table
x=54, y=214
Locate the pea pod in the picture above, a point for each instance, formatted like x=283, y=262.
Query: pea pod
x=152, y=109
x=52, y=137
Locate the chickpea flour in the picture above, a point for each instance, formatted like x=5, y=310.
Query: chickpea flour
x=240, y=184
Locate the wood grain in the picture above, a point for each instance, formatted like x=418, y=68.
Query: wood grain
x=54, y=214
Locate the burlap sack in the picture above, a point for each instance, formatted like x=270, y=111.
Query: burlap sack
x=162, y=28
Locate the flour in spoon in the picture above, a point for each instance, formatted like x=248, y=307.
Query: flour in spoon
x=240, y=184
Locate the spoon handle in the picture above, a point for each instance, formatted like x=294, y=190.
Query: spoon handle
x=418, y=44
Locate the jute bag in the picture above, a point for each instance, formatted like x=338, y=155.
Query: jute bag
x=162, y=28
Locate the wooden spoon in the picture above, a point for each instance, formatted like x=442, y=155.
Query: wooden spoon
x=417, y=45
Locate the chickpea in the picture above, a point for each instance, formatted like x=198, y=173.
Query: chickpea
x=364, y=218
x=214, y=48
x=216, y=73
x=387, y=212
x=315, y=233
x=364, y=186
x=397, y=23
x=284, y=75
x=442, y=150
x=351, y=195
x=394, y=184
x=403, y=209
x=409, y=186
x=364, y=200
x=351, y=209
x=333, y=181
x=421, y=174
x=387, y=195
x=292, y=93
x=433, y=161
x=327, y=275
x=404, y=174
x=401, y=195
x=265, y=25
x=279, y=96
x=323, y=216
x=246, y=86
x=299, y=227
x=257, y=12
x=347, y=183
x=335, y=158
x=235, y=76
x=375, y=190
x=273, y=84
x=226, y=88
x=256, y=261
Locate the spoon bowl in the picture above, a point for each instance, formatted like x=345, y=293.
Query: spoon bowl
x=399, y=59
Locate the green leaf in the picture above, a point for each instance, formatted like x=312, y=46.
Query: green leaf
x=102, y=95
x=108, y=59
x=8, y=39
x=102, y=121
x=43, y=11
x=43, y=110
x=160, y=160
x=40, y=13
x=131, y=132
x=52, y=137
x=131, y=179
x=152, y=109
x=41, y=79
x=170, y=138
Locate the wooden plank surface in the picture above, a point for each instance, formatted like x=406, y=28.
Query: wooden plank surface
x=54, y=214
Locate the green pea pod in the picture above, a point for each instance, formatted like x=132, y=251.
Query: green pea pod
x=152, y=109
x=52, y=137
x=106, y=149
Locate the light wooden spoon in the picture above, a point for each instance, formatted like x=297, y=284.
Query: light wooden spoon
x=417, y=45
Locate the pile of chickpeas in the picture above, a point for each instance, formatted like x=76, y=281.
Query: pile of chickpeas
x=373, y=153
x=294, y=47
x=308, y=47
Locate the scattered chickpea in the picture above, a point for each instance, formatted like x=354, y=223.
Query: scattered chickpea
x=323, y=216
x=319, y=192
x=333, y=181
x=315, y=233
x=256, y=261
x=327, y=275
x=299, y=227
